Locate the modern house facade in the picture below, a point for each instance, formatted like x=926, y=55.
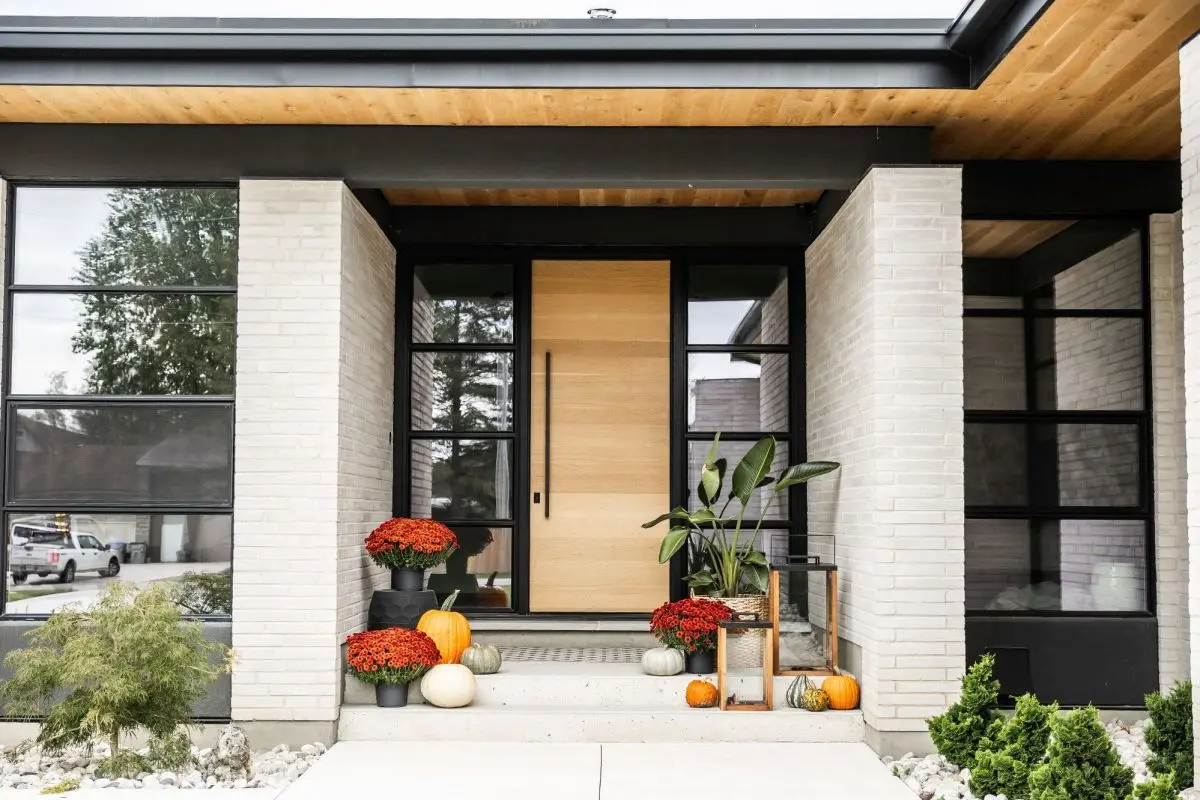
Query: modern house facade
x=271, y=281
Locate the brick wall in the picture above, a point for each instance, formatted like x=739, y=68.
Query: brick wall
x=312, y=293
x=1170, y=469
x=366, y=389
x=885, y=398
x=1189, y=102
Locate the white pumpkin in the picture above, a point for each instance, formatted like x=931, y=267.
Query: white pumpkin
x=448, y=686
x=662, y=661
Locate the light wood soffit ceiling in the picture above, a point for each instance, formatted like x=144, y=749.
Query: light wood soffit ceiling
x=1092, y=79
x=1007, y=238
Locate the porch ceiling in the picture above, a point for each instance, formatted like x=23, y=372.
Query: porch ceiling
x=692, y=198
x=1007, y=238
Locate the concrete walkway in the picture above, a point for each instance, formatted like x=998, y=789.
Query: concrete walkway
x=511, y=771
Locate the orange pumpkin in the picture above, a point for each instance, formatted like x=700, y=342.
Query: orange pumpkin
x=701, y=694
x=491, y=595
x=448, y=629
x=842, y=691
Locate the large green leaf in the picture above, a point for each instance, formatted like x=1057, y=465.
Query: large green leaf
x=802, y=473
x=678, y=512
x=671, y=543
x=711, y=477
x=756, y=575
x=754, y=557
x=700, y=580
x=752, y=469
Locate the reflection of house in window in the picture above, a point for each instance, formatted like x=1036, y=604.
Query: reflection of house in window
x=123, y=455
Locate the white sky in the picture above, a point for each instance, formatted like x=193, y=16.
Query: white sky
x=493, y=9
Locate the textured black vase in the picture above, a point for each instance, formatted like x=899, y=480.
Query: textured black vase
x=408, y=580
x=700, y=662
x=391, y=695
x=392, y=609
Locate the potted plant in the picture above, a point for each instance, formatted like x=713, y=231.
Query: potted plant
x=690, y=625
x=390, y=659
x=408, y=547
x=724, y=559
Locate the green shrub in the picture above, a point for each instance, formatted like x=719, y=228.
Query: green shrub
x=1169, y=734
x=125, y=664
x=65, y=785
x=1161, y=788
x=204, y=593
x=1003, y=762
x=1082, y=763
x=958, y=732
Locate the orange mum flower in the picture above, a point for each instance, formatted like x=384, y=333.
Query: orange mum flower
x=411, y=543
x=392, y=655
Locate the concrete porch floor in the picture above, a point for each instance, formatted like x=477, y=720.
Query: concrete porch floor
x=501, y=771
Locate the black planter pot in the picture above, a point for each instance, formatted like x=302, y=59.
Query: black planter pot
x=392, y=609
x=391, y=695
x=700, y=662
x=408, y=580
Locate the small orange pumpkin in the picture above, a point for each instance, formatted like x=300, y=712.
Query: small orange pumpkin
x=842, y=691
x=448, y=629
x=491, y=595
x=701, y=694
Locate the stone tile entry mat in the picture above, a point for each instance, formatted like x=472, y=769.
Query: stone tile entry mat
x=575, y=655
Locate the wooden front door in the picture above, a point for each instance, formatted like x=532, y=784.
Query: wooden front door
x=600, y=461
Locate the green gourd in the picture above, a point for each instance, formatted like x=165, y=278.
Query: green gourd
x=806, y=695
x=481, y=659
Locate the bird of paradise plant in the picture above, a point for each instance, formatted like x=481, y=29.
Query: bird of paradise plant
x=723, y=554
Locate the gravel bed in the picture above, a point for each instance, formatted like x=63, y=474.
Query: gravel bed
x=934, y=778
x=223, y=766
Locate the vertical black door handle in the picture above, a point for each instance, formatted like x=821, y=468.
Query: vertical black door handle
x=546, y=506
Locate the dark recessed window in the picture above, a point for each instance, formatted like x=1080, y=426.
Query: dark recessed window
x=1057, y=425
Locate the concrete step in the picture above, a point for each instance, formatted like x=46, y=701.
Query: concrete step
x=557, y=684
x=586, y=723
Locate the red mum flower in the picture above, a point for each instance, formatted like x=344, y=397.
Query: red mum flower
x=689, y=624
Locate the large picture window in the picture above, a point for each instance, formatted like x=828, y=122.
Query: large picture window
x=118, y=392
x=1059, y=517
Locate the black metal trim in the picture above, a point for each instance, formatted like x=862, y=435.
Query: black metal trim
x=546, y=443
x=1069, y=189
x=522, y=400
x=678, y=413
x=474, y=157
x=542, y=53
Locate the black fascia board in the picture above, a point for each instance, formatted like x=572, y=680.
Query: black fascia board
x=476, y=157
x=1067, y=248
x=493, y=53
x=1008, y=189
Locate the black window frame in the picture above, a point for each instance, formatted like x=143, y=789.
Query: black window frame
x=1030, y=312
x=10, y=403
x=796, y=525
x=407, y=348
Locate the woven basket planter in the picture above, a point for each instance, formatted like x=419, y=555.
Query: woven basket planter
x=745, y=647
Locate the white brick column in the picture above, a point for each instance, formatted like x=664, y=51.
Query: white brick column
x=1189, y=102
x=316, y=316
x=885, y=398
x=1170, y=467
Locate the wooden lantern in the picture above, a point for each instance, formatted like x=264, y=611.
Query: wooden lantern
x=743, y=621
x=813, y=566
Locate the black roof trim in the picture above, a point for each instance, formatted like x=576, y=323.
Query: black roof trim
x=514, y=53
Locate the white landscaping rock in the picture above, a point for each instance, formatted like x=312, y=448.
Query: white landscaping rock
x=934, y=778
x=229, y=765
